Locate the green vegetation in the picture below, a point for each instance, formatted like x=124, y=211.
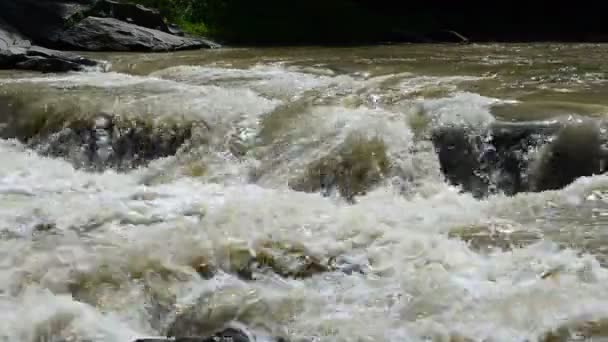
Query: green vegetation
x=273, y=21
x=265, y=22
x=188, y=14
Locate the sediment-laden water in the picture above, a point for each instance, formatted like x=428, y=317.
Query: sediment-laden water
x=299, y=193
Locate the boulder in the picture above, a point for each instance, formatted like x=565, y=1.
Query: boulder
x=36, y=19
x=176, y=30
x=94, y=25
x=288, y=260
x=109, y=34
x=229, y=334
x=352, y=169
x=576, y=151
x=9, y=37
x=130, y=13
x=519, y=157
x=96, y=142
x=16, y=52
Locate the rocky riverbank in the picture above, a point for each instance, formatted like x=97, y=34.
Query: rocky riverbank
x=32, y=32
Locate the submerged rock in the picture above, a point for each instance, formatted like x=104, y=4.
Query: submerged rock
x=352, y=170
x=289, y=260
x=109, y=34
x=576, y=151
x=222, y=314
x=519, y=157
x=102, y=141
x=227, y=335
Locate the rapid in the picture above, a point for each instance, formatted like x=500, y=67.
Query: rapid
x=297, y=194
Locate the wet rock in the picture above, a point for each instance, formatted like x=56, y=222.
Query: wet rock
x=130, y=13
x=176, y=30
x=16, y=52
x=519, y=157
x=41, y=59
x=9, y=37
x=228, y=335
x=94, y=25
x=204, y=268
x=576, y=151
x=103, y=141
x=201, y=319
x=109, y=34
x=347, y=266
x=352, y=170
x=44, y=227
x=36, y=19
x=289, y=260
x=224, y=316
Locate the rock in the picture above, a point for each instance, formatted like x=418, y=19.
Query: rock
x=176, y=30
x=288, y=260
x=208, y=324
x=16, y=52
x=9, y=37
x=96, y=142
x=130, y=13
x=519, y=157
x=36, y=19
x=193, y=339
x=108, y=34
x=96, y=25
x=227, y=335
x=575, y=152
x=353, y=169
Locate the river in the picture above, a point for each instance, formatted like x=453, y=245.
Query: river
x=94, y=250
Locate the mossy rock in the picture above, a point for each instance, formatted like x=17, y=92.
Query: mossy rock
x=289, y=260
x=286, y=259
x=358, y=165
x=99, y=141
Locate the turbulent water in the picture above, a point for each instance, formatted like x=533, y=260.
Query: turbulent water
x=113, y=247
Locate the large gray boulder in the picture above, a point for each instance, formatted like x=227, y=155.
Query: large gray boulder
x=40, y=59
x=9, y=37
x=229, y=334
x=16, y=52
x=130, y=13
x=36, y=19
x=109, y=34
x=95, y=25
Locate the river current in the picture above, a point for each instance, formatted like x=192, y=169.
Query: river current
x=90, y=252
